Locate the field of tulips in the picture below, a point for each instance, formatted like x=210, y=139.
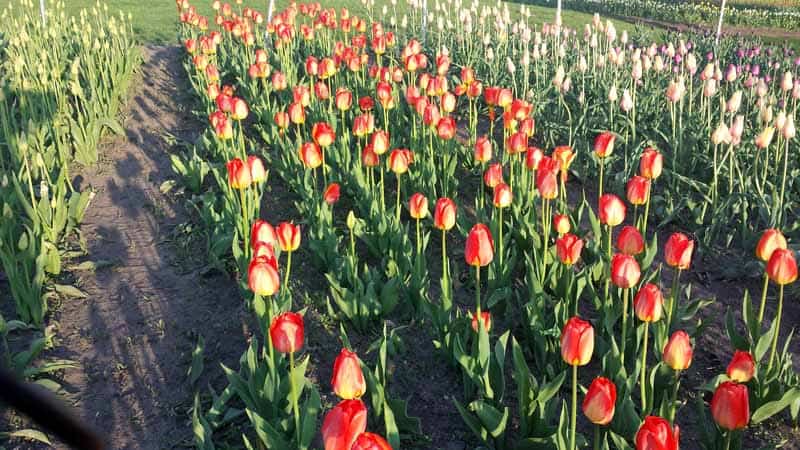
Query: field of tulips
x=61, y=85
x=699, y=12
x=535, y=198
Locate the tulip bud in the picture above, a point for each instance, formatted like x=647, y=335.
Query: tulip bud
x=612, y=210
x=655, y=433
x=568, y=248
x=626, y=104
x=257, y=172
x=721, y=135
x=637, y=190
x=444, y=214
x=479, y=248
x=348, y=379
x=789, y=129
x=600, y=400
x=323, y=134
x=502, y=196
x=370, y=441
x=771, y=240
x=238, y=174
x=262, y=276
x=742, y=367
x=483, y=149
x=344, y=424
x=310, y=155
x=286, y=332
x=561, y=224
x=765, y=137
x=493, y=175
x=678, y=251
x=678, y=351
x=625, y=271
x=651, y=163
x=782, y=266
x=604, y=144
x=262, y=232
x=485, y=318
x=577, y=342
x=400, y=159
x=288, y=236
x=730, y=406
x=332, y=193
x=649, y=303
x=351, y=220
x=630, y=241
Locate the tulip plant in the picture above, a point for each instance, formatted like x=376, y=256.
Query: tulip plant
x=414, y=134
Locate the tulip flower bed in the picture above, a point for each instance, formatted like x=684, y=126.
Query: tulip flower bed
x=406, y=148
x=60, y=87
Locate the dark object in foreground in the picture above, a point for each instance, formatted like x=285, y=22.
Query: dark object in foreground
x=48, y=412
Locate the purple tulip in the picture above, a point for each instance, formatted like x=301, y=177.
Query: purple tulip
x=767, y=79
x=740, y=53
x=678, y=59
x=756, y=70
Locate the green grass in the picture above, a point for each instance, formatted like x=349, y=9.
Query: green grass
x=154, y=20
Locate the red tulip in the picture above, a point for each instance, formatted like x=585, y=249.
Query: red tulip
x=418, y=206
x=485, y=318
x=444, y=214
x=561, y=224
x=323, y=134
x=262, y=276
x=366, y=103
x=446, y=128
x=547, y=184
x=651, y=163
x=505, y=98
x=625, y=271
x=730, y=406
x=742, y=367
x=321, y=90
x=369, y=158
x=380, y=142
x=264, y=249
x=483, y=149
x=517, y=143
x=782, y=267
x=278, y=81
x=612, y=210
x=598, y=405
x=286, y=332
x=630, y=241
x=577, y=342
x=301, y=95
x=281, y=119
x=344, y=424
x=502, y=196
x=678, y=351
x=479, y=249
x=431, y=115
x=348, y=379
x=344, y=99
x=533, y=157
x=657, y=434
x=332, y=193
x=678, y=251
x=363, y=125
x=238, y=174
x=771, y=239
x=638, y=188
x=491, y=95
x=297, y=114
x=649, y=303
x=400, y=159
x=262, y=231
x=370, y=441
x=568, y=248
x=310, y=155
x=604, y=144
x=240, y=110
x=288, y=236
x=493, y=175
x=384, y=94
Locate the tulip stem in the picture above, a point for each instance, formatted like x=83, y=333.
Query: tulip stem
x=597, y=437
x=608, y=279
x=293, y=393
x=643, y=377
x=500, y=226
x=574, y=406
x=445, y=265
x=288, y=270
x=763, y=300
x=674, y=301
x=647, y=209
x=777, y=330
x=779, y=222
x=383, y=192
x=478, y=289
x=675, y=387
x=419, y=243
x=600, y=192
x=624, y=322
x=728, y=439
x=397, y=202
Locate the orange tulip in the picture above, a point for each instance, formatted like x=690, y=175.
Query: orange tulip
x=370, y=441
x=288, y=236
x=493, y=175
x=332, y=193
x=678, y=351
x=604, y=144
x=649, y=303
x=655, y=433
x=444, y=214
x=343, y=99
x=483, y=150
x=264, y=249
x=286, y=332
x=638, y=188
x=446, y=128
x=651, y=163
x=612, y=210
x=517, y=143
x=564, y=155
x=547, y=184
x=344, y=424
x=310, y=155
x=369, y=158
x=561, y=224
x=533, y=157
x=323, y=134
x=262, y=231
x=262, y=276
x=485, y=318
x=568, y=248
x=400, y=159
x=782, y=267
x=297, y=114
x=730, y=406
x=281, y=119
x=240, y=110
x=418, y=206
x=742, y=367
x=625, y=271
x=577, y=342
x=600, y=401
x=678, y=251
x=770, y=240
x=502, y=196
x=479, y=249
x=630, y=241
x=363, y=125
x=238, y=174
x=348, y=379
x=380, y=142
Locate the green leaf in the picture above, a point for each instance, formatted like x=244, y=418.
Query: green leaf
x=311, y=409
x=764, y=342
x=29, y=434
x=392, y=433
x=769, y=409
x=196, y=368
x=493, y=420
x=269, y=436
x=69, y=291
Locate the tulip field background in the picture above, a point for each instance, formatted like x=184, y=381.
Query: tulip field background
x=220, y=232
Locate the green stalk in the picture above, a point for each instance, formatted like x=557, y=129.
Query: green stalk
x=597, y=437
x=643, y=377
x=728, y=439
x=478, y=291
x=397, y=202
x=574, y=407
x=288, y=270
x=624, y=321
x=293, y=389
x=777, y=330
x=600, y=192
x=500, y=225
x=675, y=387
x=763, y=300
x=674, y=301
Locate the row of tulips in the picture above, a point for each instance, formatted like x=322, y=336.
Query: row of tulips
x=555, y=289
x=59, y=88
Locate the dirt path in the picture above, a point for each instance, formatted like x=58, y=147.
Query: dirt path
x=728, y=30
x=133, y=336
